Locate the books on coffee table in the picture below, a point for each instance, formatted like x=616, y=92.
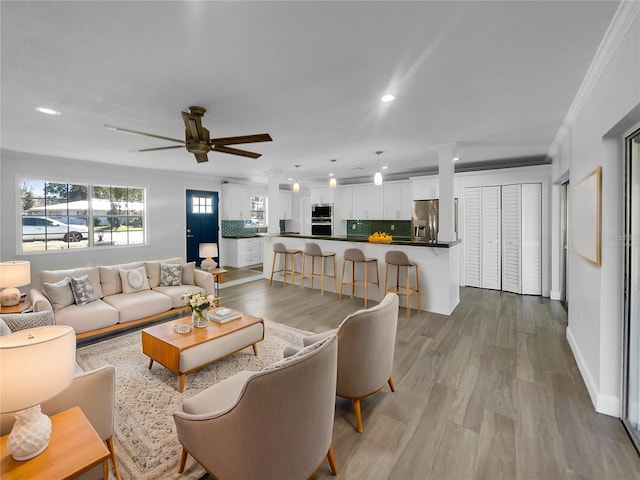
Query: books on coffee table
x=222, y=315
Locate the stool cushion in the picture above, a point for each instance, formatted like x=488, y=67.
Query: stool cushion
x=279, y=248
x=397, y=257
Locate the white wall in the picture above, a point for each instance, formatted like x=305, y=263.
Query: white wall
x=166, y=192
x=600, y=117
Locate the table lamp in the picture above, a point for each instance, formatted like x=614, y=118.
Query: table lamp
x=12, y=275
x=37, y=364
x=207, y=251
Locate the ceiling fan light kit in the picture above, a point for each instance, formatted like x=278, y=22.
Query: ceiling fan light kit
x=197, y=138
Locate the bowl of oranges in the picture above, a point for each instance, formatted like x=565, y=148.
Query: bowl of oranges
x=380, y=237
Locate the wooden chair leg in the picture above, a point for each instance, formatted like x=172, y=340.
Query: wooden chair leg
x=322, y=276
x=304, y=258
x=332, y=461
x=342, y=279
x=112, y=450
x=418, y=289
x=391, y=384
x=284, y=270
x=408, y=269
x=183, y=460
x=273, y=267
x=356, y=409
x=335, y=276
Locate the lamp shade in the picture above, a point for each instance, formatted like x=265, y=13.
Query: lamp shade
x=377, y=178
x=15, y=274
x=208, y=250
x=37, y=364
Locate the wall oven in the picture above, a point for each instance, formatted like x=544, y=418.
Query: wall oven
x=322, y=219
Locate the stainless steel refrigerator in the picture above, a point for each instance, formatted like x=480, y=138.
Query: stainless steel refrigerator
x=425, y=222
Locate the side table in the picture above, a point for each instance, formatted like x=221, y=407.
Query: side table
x=74, y=448
x=217, y=278
x=19, y=308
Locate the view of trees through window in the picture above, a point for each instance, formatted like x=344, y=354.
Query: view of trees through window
x=258, y=211
x=62, y=215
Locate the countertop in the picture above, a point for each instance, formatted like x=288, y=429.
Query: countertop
x=352, y=238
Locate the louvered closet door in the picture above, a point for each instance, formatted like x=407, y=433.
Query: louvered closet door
x=473, y=236
x=511, y=229
x=532, y=239
x=491, y=251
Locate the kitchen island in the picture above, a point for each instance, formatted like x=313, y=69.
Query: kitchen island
x=438, y=264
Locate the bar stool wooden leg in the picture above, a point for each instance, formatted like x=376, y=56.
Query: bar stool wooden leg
x=322, y=276
x=342, y=279
x=335, y=277
x=284, y=270
x=273, y=267
x=366, y=282
x=408, y=269
x=418, y=289
x=353, y=278
x=304, y=260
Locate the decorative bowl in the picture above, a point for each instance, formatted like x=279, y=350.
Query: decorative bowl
x=182, y=328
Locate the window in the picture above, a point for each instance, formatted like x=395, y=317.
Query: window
x=202, y=204
x=258, y=212
x=57, y=216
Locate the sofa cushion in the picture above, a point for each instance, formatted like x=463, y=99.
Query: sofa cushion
x=134, y=280
x=170, y=275
x=153, y=269
x=176, y=293
x=133, y=306
x=82, y=290
x=59, y=293
x=110, y=277
x=52, y=276
x=89, y=317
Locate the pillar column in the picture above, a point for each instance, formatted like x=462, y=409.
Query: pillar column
x=446, y=170
x=273, y=202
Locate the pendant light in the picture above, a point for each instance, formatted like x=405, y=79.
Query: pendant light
x=296, y=185
x=377, y=178
x=332, y=181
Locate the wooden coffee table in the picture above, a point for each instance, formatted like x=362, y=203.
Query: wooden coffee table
x=183, y=353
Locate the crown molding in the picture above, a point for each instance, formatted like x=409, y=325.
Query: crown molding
x=620, y=23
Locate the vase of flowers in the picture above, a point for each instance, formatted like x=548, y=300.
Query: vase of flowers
x=199, y=303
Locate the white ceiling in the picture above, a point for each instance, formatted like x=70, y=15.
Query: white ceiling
x=495, y=78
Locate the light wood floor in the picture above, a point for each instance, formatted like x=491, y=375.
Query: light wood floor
x=489, y=392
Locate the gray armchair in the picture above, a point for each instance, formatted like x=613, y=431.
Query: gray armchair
x=366, y=345
x=276, y=423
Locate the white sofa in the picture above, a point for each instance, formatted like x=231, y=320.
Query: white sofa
x=114, y=307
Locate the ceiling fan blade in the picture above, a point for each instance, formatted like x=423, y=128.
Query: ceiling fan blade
x=156, y=148
x=193, y=124
x=126, y=130
x=260, y=137
x=201, y=157
x=236, y=151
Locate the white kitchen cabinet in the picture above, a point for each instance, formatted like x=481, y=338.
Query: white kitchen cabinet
x=343, y=205
x=286, y=204
x=425, y=188
x=321, y=195
x=397, y=201
x=367, y=202
x=242, y=252
x=236, y=202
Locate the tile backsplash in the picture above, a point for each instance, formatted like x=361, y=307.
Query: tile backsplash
x=236, y=227
x=364, y=228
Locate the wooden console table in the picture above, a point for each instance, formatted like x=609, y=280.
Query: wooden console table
x=74, y=448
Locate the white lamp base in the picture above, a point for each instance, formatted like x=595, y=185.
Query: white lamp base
x=9, y=297
x=30, y=434
x=208, y=264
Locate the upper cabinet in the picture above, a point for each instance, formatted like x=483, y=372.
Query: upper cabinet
x=286, y=204
x=367, y=202
x=343, y=203
x=321, y=195
x=236, y=202
x=425, y=188
x=397, y=201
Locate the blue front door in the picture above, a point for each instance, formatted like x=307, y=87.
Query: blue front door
x=202, y=221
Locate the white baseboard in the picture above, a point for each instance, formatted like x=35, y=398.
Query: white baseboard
x=606, y=404
x=555, y=295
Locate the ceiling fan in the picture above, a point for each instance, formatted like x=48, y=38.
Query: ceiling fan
x=197, y=139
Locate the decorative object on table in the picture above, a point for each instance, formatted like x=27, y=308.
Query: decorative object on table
x=208, y=251
x=380, y=237
x=29, y=377
x=223, y=315
x=13, y=274
x=200, y=303
x=182, y=328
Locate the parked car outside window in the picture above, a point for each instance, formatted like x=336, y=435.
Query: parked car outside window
x=45, y=228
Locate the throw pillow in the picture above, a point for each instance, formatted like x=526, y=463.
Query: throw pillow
x=170, y=275
x=188, y=275
x=22, y=321
x=134, y=280
x=303, y=351
x=59, y=293
x=4, y=329
x=82, y=289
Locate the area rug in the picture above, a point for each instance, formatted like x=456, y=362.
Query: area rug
x=145, y=437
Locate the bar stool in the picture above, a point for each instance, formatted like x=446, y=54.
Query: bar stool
x=400, y=259
x=355, y=255
x=313, y=250
x=280, y=248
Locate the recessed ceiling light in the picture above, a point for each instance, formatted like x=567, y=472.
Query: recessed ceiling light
x=387, y=98
x=384, y=167
x=48, y=111
x=455, y=159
